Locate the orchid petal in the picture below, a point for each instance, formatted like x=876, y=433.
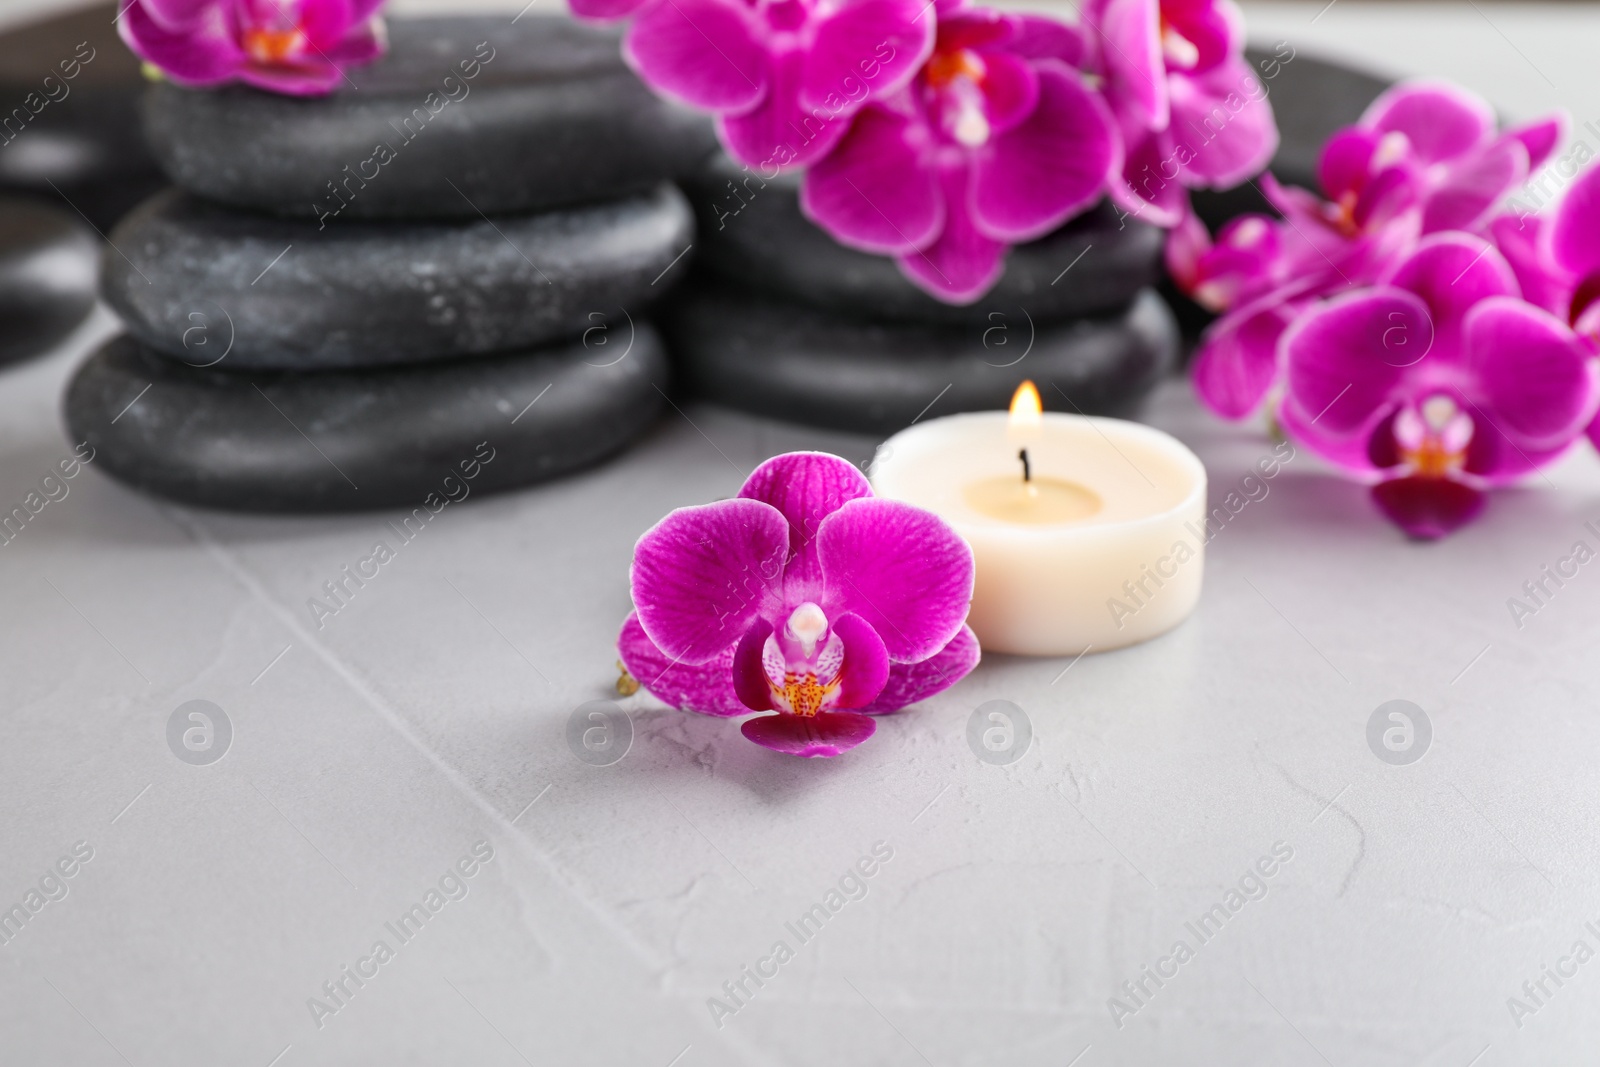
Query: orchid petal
x=603, y=10
x=777, y=131
x=1143, y=190
x=1051, y=166
x=1574, y=234
x=1451, y=272
x=1344, y=358
x=1243, y=142
x=974, y=28
x=750, y=682
x=701, y=574
x=1540, y=137
x=866, y=661
x=1010, y=90
x=806, y=487
x=324, y=22
x=702, y=52
x=912, y=682
x=1543, y=284
x=1346, y=161
x=707, y=688
x=852, y=40
x=961, y=264
x=307, y=79
x=1427, y=508
x=200, y=56
x=1038, y=37
x=175, y=15
x=362, y=43
x=1130, y=53
x=1470, y=192
x=1535, y=375
x=825, y=734
x=1214, y=27
x=872, y=191
x=1238, y=358
x=1442, y=121
x=901, y=569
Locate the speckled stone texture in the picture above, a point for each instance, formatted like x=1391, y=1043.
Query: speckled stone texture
x=474, y=114
x=356, y=441
x=190, y=278
x=752, y=232
x=790, y=362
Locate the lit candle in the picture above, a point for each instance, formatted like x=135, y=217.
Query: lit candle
x=1088, y=533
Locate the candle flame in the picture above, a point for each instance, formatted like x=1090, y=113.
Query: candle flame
x=1026, y=409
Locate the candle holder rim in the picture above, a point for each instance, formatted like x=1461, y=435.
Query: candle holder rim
x=1185, y=455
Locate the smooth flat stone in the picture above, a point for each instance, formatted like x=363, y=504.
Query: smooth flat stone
x=76, y=135
x=47, y=275
x=347, y=441
x=753, y=233
x=554, y=117
x=195, y=281
x=791, y=362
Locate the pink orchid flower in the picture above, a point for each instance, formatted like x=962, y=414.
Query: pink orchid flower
x=995, y=142
x=1437, y=383
x=295, y=47
x=804, y=595
x=1191, y=112
x=1425, y=158
x=783, y=76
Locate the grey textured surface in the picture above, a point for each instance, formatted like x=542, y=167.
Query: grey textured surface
x=371, y=754
x=550, y=115
x=374, y=438
x=190, y=278
x=372, y=751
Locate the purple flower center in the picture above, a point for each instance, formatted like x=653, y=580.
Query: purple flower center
x=803, y=663
x=955, y=81
x=1432, y=437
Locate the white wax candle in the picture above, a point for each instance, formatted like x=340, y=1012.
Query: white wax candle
x=1103, y=547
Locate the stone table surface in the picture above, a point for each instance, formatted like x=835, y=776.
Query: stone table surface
x=373, y=750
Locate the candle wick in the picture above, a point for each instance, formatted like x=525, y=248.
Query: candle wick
x=1027, y=468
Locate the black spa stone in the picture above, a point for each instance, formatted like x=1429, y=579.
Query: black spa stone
x=47, y=274
x=752, y=232
x=464, y=115
x=214, y=287
x=69, y=116
x=791, y=362
x=354, y=441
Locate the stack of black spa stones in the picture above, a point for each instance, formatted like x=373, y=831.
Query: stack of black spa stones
x=783, y=321
x=348, y=298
